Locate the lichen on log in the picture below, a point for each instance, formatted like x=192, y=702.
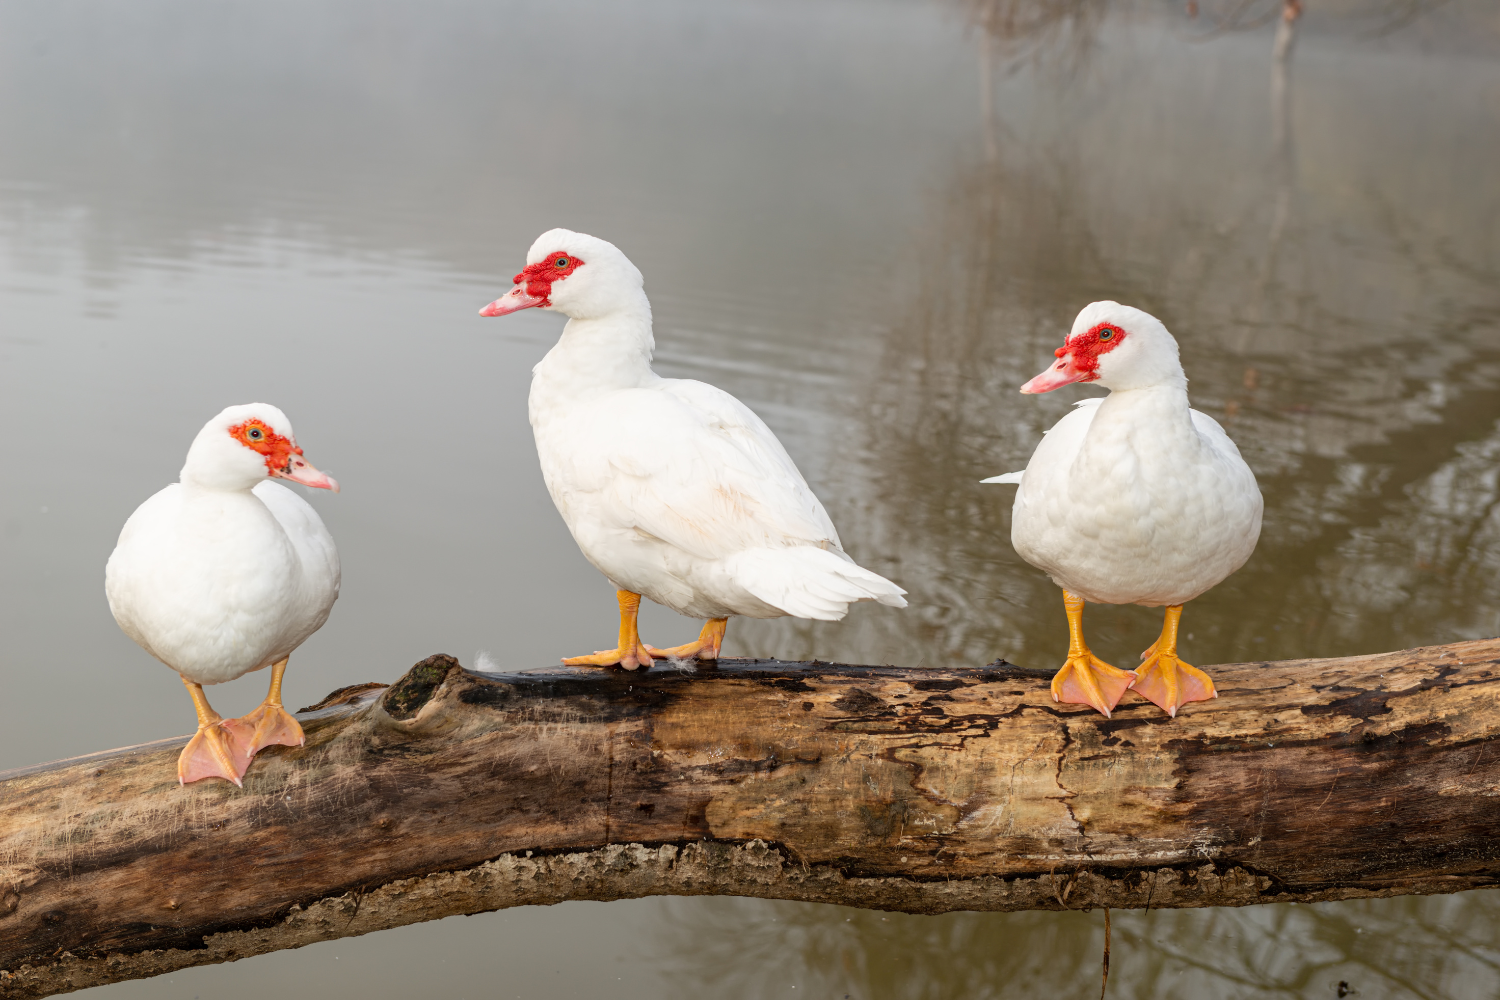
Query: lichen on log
x=922, y=790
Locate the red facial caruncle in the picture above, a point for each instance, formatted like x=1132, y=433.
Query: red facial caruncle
x=538, y=277
x=1088, y=345
x=256, y=436
x=283, y=458
x=534, y=284
x=1078, y=358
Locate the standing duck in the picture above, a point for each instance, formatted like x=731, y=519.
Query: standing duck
x=1133, y=498
x=226, y=572
x=673, y=489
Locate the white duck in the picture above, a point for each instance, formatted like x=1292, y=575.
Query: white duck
x=672, y=488
x=227, y=572
x=1133, y=498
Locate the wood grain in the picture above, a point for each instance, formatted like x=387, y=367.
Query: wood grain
x=921, y=790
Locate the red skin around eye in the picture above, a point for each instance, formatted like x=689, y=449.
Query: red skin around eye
x=277, y=449
x=538, y=277
x=1086, y=348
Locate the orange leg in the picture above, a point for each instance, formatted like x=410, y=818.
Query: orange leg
x=211, y=753
x=710, y=641
x=1084, y=678
x=270, y=724
x=1164, y=678
x=631, y=653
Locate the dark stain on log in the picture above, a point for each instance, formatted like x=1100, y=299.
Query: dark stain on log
x=857, y=701
x=1003, y=669
x=1363, y=705
x=938, y=685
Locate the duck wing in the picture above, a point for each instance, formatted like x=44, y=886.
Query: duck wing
x=1214, y=434
x=136, y=562
x=316, y=553
x=1053, y=458
x=687, y=463
x=1241, y=501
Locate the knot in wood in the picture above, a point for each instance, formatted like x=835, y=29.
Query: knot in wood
x=416, y=687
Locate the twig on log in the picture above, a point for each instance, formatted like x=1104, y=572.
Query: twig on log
x=884, y=787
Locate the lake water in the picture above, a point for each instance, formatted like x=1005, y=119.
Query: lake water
x=209, y=203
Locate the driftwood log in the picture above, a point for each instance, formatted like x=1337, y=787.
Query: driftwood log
x=918, y=790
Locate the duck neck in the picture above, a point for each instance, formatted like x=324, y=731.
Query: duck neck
x=1164, y=405
x=221, y=470
x=1171, y=390
x=601, y=353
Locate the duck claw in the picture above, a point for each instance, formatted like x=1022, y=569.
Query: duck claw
x=1087, y=680
x=212, y=753
x=1171, y=683
x=269, y=725
x=706, y=647
x=634, y=660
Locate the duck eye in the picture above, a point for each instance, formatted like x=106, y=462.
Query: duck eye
x=255, y=434
x=1106, y=335
x=561, y=262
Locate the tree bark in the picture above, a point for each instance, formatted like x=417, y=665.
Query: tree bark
x=922, y=790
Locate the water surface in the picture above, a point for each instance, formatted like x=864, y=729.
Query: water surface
x=203, y=204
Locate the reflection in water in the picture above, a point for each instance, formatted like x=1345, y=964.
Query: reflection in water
x=1283, y=155
x=1440, y=948
x=1358, y=377
x=1352, y=349
x=1053, y=31
x=185, y=190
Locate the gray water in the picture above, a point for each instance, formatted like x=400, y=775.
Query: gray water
x=214, y=202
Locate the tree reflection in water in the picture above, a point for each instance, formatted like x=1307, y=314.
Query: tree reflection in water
x=1338, y=306
x=1437, y=947
x=1358, y=374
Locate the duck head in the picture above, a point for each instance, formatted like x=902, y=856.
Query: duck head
x=246, y=444
x=1118, y=347
x=580, y=276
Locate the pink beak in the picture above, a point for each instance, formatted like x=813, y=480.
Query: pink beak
x=302, y=471
x=512, y=301
x=1060, y=374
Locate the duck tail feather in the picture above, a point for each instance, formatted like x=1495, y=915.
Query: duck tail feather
x=809, y=582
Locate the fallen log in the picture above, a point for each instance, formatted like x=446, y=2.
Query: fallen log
x=923, y=790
